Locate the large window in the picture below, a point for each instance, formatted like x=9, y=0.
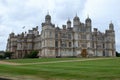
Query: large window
x=99, y=46
x=63, y=35
x=50, y=34
x=84, y=45
x=63, y=44
x=70, y=44
x=56, y=35
x=83, y=36
x=30, y=46
x=56, y=43
x=69, y=36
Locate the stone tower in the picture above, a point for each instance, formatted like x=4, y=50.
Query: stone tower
x=48, y=38
x=76, y=28
x=110, y=41
x=88, y=24
x=88, y=33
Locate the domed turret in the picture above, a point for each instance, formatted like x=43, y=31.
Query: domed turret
x=88, y=20
x=76, y=18
x=88, y=23
x=48, y=18
x=111, y=26
x=76, y=21
x=68, y=23
x=12, y=34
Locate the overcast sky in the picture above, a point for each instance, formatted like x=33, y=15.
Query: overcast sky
x=14, y=14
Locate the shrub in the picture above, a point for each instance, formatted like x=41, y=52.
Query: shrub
x=117, y=54
x=8, y=54
x=33, y=54
x=1, y=57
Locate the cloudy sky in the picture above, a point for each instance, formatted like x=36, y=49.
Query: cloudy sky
x=14, y=14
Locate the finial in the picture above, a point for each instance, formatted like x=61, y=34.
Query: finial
x=111, y=21
x=87, y=15
x=68, y=19
x=76, y=13
x=47, y=12
x=12, y=31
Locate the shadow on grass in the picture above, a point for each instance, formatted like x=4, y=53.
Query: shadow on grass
x=5, y=79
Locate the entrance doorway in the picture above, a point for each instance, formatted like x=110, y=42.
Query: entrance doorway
x=84, y=53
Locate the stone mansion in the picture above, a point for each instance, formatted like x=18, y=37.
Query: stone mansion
x=68, y=41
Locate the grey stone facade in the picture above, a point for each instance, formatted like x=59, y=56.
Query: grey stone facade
x=69, y=41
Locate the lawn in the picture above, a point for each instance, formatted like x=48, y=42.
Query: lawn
x=40, y=60
x=99, y=69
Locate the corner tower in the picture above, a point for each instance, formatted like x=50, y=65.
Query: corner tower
x=110, y=41
x=88, y=23
x=111, y=26
x=48, y=38
x=76, y=21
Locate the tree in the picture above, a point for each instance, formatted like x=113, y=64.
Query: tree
x=117, y=54
x=33, y=54
x=1, y=57
x=8, y=54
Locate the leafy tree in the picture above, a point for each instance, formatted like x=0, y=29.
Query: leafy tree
x=8, y=54
x=117, y=54
x=1, y=57
x=33, y=54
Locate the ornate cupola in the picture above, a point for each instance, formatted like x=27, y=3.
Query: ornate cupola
x=76, y=20
x=111, y=26
x=48, y=19
x=68, y=23
x=88, y=20
x=88, y=24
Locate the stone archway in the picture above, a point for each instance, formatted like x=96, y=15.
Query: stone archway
x=84, y=53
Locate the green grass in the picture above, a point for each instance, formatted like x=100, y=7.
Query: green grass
x=39, y=60
x=105, y=69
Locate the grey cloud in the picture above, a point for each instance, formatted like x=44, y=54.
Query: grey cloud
x=69, y=8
